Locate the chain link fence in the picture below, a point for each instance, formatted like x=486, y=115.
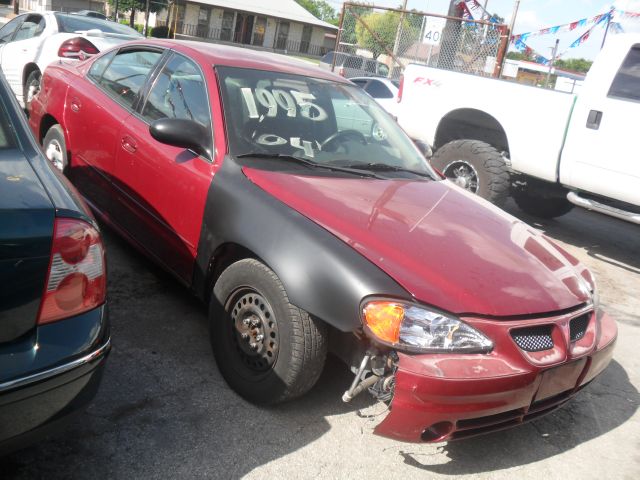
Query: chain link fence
x=382, y=41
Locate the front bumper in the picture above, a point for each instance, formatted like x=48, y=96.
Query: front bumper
x=48, y=375
x=454, y=396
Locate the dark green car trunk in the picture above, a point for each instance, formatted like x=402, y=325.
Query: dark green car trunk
x=26, y=229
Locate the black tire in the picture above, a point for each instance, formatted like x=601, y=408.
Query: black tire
x=543, y=207
x=30, y=88
x=291, y=356
x=475, y=166
x=55, y=148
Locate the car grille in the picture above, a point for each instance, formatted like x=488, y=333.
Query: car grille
x=578, y=327
x=533, y=339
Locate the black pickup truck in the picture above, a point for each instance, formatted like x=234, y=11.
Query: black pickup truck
x=54, y=331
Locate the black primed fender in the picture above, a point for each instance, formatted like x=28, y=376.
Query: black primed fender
x=320, y=273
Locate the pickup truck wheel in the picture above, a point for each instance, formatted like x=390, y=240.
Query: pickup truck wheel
x=55, y=148
x=475, y=166
x=267, y=349
x=543, y=207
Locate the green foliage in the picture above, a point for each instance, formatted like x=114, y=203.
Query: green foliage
x=385, y=26
x=518, y=56
x=132, y=6
x=320, y=9
x=581, y=65
x=349, y=22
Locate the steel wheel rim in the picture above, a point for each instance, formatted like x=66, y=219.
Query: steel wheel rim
x=463, y=174
x=54, y=153
x=253, y=330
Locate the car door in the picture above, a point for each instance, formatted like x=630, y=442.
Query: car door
x=22, y=49
x=600, y=155
x=95, y=109
x=167, y=186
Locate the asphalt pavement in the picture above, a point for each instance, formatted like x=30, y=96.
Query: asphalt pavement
x=163, y=410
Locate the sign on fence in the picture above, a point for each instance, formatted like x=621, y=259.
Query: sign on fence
x=432, y=30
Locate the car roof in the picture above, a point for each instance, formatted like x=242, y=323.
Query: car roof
x=225, y=55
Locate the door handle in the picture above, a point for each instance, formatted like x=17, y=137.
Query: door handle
x=594, y=119
x=129, y=144
x=75, y=105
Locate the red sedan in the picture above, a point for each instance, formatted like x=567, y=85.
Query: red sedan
x=295, y=207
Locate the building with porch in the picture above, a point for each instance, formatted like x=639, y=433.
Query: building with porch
x=270, y=24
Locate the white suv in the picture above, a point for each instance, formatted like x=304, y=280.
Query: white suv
x=31, y=41
x=349, y=65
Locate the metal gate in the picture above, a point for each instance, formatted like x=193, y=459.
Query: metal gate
x=382, y=41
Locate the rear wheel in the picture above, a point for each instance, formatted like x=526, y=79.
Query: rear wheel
x=267, y=349
x=475, y=166
x=55, y=148
x=31, y=88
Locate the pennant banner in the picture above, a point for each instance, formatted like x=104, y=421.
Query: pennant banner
x=569, y=27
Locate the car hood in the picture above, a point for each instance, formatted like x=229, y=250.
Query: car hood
x=445, y=246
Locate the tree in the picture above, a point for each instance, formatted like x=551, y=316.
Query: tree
x=581, y=65
x=320, y=9
x=134, y=5
x=385, y=26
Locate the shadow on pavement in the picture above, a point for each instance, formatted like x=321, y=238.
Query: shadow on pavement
x=163, y=410
x=604, y=405
x=605, y=238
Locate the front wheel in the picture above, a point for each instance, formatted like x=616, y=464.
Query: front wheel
x=55, y=148
x=267, y=349
x=475, y=166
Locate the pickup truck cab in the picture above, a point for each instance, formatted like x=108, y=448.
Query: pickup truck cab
x=549, y=150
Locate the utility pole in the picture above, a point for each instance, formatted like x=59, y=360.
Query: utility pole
x=512, y=23
x=554, y=52
x=145, y=30
x=606, y=30
x=396, y=44
x=115, y=12
x=16, y=7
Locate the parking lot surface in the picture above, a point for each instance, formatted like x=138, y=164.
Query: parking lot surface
x=163, y=410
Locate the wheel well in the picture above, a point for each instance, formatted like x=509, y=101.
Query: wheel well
x=46, y=123
x=225, y=255
x=30, y=67
x=468, y=123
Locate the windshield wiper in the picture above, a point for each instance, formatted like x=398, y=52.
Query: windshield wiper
x=312, y=164
x=383, y=167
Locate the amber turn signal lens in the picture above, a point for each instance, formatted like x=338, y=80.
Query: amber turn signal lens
x=384, y=320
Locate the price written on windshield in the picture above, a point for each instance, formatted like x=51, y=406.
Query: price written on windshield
x=290, y=103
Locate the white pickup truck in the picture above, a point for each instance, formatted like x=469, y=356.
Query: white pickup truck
x=548, y=150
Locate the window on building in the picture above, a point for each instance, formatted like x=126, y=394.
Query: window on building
x=306, y=39
x=258, y=31
x=226, y=31
x=283, y=35
x=626, y=83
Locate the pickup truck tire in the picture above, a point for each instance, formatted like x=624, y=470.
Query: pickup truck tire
x=267, y=349
x=543, y=207
x=475, y=166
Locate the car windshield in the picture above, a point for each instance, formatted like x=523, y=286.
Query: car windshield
x=78, y=23
x=325, y=122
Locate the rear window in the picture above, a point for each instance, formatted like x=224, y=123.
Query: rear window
x=626, y=83
x=77, y=23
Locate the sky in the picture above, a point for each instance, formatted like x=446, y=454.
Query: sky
x=535, y=15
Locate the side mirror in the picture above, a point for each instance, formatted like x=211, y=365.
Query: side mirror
x=179, y=132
